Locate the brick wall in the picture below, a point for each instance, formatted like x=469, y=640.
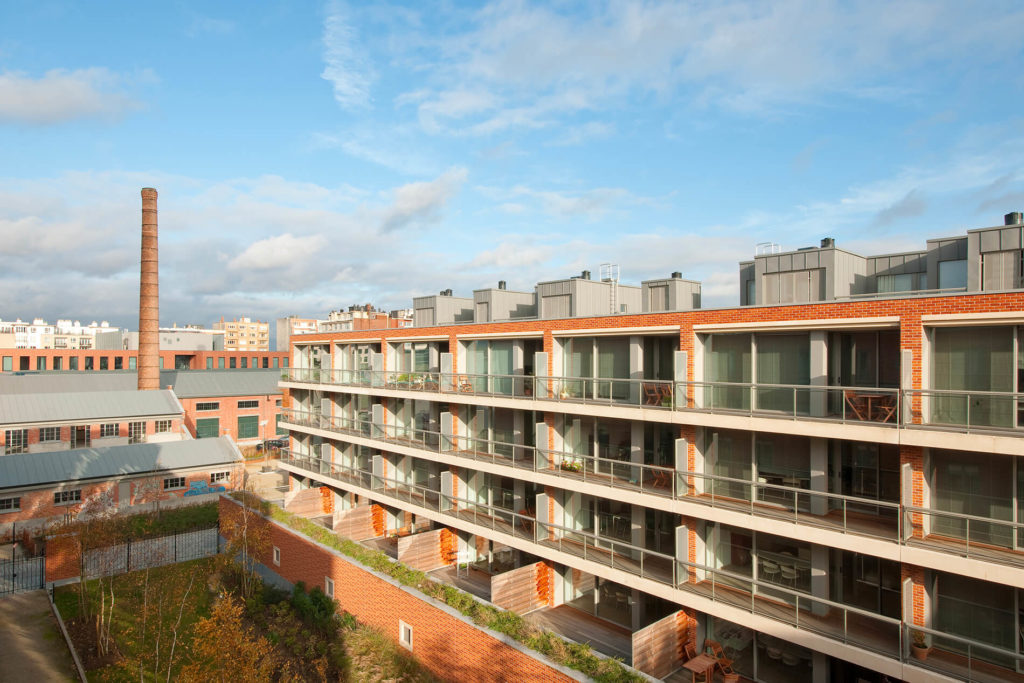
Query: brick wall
x=38, y=508
x=34, y=433
x=229, y=412
x=120, y=360
x=450, y=646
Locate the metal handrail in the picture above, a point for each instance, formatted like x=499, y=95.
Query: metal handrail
x=606, y=550
x=943, y=665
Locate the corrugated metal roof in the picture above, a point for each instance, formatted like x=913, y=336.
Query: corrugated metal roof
x=186, y=383
x=33, y=469
x=86, y=405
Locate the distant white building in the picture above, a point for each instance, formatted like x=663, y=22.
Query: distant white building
x=40, y=334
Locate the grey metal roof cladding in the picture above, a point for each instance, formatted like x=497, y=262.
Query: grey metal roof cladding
x=33, y=469
x=186, y=383
x=85, y=405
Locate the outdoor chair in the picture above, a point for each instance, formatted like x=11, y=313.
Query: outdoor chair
x=724, y=663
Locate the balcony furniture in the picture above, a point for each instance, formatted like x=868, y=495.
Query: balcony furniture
x=789, y=574
x=885, y=408
x=871, y=407
x=769, y=570
x=790, y=658
x=690, y=651
x=660, y=479
x=652, y=393
x=702, y=665
x=857, y=404
x=721, y=661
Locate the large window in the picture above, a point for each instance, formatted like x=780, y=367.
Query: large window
x=67, y=497
x=136, y=432
x=10, y=504
x=249, y=427
x=207, y=428
x=108, y=430
x=727, y=361
x=978, y=484
x=967, y=362
x=16, y=441
x=783, y=359
x=974, y=609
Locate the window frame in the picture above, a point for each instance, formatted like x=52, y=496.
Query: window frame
x=10, y=504
x=110, y=427
x=163, y=426
x=249, y=404
x=276, y=556
x=174, y=481
x=45, y=432
x=405, y=635
x=67, y=497
x=134, y=435
x=222, y=476
x=204, y=406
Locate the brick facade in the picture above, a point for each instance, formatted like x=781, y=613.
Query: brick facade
x=450, y=647
x=43, y=359
x=228, y=413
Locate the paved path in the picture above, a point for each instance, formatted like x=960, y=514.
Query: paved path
x=32, y=648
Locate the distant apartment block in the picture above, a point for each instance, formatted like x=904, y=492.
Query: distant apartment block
x=40, y=334
x=190, y=338
x=292, y=326
x=366, y=317
x=244, y=334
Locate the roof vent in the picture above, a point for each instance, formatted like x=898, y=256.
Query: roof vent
x=446, y=292
x=677, y=275
x=828, y=242
x=502, y=284
x=585, y=275
x=1013, y=218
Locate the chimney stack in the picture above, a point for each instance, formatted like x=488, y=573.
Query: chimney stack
x=149, y=297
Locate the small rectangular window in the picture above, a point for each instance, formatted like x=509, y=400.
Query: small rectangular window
x=162, y=426
x=58, y=363
x=67, y=497
x=40, y=362
x=73, y=363
x=104, y=363
x=88, y=363
x=8, y=363
x=220, y=363
x=277, y=556
x=245, y=405
x=108, y=430
x=210, y=405
x=232, y=360
x=209, y=364
x=328, y=586
x=132, y=361
x=276, y=364
x=219, y=477
x=245, y=363
x=49, y=434
x=172, y=483
x=10, y=504
x=405, y=634
x=118, y=363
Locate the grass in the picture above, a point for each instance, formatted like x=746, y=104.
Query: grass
x=171, y=520
x=573, y=655
x=312, y=642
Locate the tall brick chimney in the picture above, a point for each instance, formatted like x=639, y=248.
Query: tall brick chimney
x=149, y=297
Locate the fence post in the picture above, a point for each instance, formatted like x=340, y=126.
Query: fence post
x=128, y=556
x=175, y=547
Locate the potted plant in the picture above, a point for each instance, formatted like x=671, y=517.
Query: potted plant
x=919, y=645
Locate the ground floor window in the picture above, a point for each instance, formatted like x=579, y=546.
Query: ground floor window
x=249, y=427
x=67, y=497
x=208, y=428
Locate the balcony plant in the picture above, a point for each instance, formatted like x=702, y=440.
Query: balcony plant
x=571, y=465
x=919, y=645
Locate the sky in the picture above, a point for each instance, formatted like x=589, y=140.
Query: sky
x=310, y=156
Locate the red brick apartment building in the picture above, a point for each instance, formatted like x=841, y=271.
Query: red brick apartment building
x=826, y=479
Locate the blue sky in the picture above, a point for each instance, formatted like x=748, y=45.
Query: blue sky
x=311, y=156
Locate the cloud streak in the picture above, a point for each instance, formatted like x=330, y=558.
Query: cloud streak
x=62, y=95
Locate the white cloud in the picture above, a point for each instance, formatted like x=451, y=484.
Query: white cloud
x=61, y=95
x=526, y=66
x=421, y=202
x=279, y=252
x=344, y=62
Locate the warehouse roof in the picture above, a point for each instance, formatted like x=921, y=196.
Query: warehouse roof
x=185, y=383
x=94, y=406
x=33, y=469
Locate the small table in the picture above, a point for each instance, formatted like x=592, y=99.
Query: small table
x=701, y=664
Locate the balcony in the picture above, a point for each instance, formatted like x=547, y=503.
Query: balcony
x=968, y=536
x=770, y=599
x=965, y=659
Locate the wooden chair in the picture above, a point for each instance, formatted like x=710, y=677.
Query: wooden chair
x=724, y=663
x=690, y=651
x=652, y=394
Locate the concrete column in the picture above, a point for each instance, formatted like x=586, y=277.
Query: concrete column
x=636, y=450
x=819, y=373
x=682, y=393
x=379, y=471
x=540, y=369
x=636, y=368
x=819, y=576
x=819, y=475
x=377, y=420
x=542, y=454
x=377, y=369
x=637, y=519
x=682, y=465
x=543, y=504
x=446, y=372
x=447, y=433
x=447, y=490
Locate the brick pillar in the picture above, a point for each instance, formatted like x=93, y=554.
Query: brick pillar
x=912, y=458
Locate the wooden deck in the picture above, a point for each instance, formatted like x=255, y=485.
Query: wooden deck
x=605, y=637
x=472, y=581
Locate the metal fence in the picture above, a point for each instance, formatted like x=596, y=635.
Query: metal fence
x=152, y=552
x=22, y=574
